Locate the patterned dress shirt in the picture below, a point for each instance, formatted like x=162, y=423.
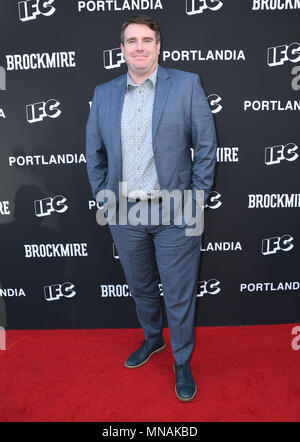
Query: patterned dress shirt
x=138, y=167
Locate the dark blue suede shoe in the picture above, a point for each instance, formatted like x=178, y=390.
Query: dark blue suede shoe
x=185, y=387
x=142, y=354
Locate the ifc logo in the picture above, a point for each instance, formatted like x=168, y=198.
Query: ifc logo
x=30, y=9
x=113, y=58
x=198, y=6
x=273, y=245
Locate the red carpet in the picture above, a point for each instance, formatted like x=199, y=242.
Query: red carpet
x=243, y=374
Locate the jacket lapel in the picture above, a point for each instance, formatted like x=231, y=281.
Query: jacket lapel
x=162, y=90
x=163, y=85
x=117, y=98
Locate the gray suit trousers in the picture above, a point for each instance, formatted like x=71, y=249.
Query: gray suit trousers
x=147, y=252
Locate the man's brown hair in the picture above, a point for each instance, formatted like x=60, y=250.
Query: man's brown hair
x=141, y=20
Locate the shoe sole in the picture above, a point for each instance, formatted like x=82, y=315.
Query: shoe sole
x=144, y=362
x=184, y=399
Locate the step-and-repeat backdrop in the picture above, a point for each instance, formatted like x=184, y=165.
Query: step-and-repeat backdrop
x=58, y=267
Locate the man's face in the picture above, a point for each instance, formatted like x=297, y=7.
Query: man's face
x=140, y=49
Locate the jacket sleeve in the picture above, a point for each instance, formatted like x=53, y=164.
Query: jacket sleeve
x=204, y=141
x=96, y=157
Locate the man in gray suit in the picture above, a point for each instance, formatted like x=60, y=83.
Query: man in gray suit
x=139, y=132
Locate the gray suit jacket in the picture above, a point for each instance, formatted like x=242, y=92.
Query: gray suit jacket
x=181, y=119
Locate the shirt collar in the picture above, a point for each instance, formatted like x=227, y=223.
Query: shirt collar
x=152, y=79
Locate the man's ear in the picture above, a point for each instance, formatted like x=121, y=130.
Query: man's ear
x=122, y=48
x=158, y=47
